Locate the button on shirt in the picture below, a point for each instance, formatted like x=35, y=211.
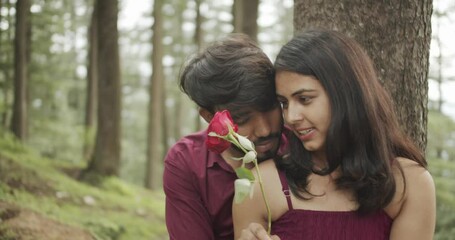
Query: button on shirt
x=199, y=188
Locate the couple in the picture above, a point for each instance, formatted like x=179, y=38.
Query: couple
x=348, y=172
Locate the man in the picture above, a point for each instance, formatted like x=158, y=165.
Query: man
x=236, y=75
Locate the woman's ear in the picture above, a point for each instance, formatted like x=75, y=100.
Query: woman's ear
x=206, y=114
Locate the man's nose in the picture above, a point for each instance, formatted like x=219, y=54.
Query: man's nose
x=262, y=126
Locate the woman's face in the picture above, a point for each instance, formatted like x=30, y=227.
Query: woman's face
x=306, y=108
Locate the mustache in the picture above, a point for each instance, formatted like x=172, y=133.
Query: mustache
x=271, y=136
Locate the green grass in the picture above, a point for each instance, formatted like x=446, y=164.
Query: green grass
x=113, y=210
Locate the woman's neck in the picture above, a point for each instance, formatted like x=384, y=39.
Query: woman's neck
x=319, y=160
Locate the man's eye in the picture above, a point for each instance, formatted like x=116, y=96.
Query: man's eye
x=283, y=105
x=240, y=121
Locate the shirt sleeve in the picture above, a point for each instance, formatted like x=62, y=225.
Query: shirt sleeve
x=186, y=215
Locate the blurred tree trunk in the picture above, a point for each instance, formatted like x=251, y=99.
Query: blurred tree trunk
x=199, y=41
x=178, y=116
x=19, y=118
x=199, y=32
x=397, y=35
x=91, y=96
x=439, y=80
x=439, y=61
x=177, y=126
x=245, y=14
x=1, y=8
x=3, y=65
x=438, y=75
x=7, y=70
x=106, y=158
x=154, y=133
x=165, y=123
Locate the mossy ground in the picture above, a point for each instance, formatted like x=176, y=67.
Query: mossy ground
x=39, y=199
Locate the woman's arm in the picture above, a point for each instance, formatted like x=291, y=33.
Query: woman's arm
x=250, y=216
x=249, y=211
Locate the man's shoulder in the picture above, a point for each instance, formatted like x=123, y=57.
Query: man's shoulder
x=186, y=147
x=190, y=141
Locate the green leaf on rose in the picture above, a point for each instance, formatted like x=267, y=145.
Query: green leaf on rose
x=243, y=172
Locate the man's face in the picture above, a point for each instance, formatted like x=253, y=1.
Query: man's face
x=262, y=128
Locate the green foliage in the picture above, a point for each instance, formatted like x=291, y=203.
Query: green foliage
x=104, y=229
x=7, y=234
x=115, y=210
x=56, y=91
x=441, y=136
x=445, y=229
x=10, y=144
x=440, y=154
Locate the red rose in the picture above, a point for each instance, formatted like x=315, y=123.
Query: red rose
x=219, y=125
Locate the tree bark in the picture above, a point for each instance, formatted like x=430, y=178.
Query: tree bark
x=245, y=14
x=199, y=41
x=19, y=118
x=154, y=134
x=179, y=109
x=439, y=76
x=4, y=70
x=8, y=80
x=396, y=35
x=91, y=97
x=106, y=158
x=165, y=123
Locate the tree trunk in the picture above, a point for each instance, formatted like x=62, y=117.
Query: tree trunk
x=7, y=72
x=397, y=35
x=199, y=41
x=165, y=123
x=19, y=119
x=106, y=158
x=154, y=133
x=5, y=69
x=245, y=14
x=91, y=97
x=439, y=76
x=179, y=109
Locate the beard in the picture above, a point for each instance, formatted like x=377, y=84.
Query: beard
x=271, y=153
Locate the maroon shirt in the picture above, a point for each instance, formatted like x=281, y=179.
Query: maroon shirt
x=199, y=188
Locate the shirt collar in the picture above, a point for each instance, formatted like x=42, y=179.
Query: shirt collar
x=215, y=158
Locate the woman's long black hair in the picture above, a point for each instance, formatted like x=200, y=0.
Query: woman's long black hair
x=364, y=138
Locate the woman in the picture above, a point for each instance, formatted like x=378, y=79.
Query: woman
x=351, y=172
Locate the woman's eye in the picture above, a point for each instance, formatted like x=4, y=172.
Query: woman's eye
x=303, y=99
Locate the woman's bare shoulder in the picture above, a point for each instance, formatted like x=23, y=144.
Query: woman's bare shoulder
x=412, y=170
x=413, y=183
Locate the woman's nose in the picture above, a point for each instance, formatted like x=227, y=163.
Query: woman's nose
x=293, y=114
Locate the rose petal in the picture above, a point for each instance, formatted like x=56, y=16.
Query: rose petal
x=219, y=125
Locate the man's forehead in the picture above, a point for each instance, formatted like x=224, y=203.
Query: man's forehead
x=241, y=112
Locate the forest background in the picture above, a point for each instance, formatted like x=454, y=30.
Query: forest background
x=89, y=103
